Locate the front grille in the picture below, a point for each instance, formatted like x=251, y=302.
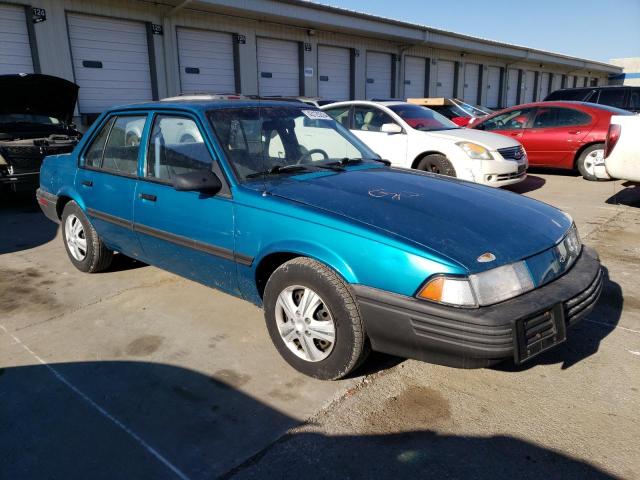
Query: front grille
x=509, y=176
x=512, y=153
x=28, y=158
x=580, y=305
x=539, y=333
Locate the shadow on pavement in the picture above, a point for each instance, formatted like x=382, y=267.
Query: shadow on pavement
x=109, y=419
x=629, y=196
x=583, y=339
x=529, y=184
x=23, y=224
x=554, y=171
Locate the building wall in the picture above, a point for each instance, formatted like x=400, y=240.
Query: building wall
x=52, y=41
x=631, y=71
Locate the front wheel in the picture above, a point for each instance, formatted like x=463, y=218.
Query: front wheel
x=588, y=159
x=314, y=320
x=436, y=163
x=86, y=250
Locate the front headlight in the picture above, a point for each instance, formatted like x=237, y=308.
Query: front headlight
x=475, y=151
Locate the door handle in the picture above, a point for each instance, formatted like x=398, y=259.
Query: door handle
x=574, y=132
x=147, y=196
x=87, y=183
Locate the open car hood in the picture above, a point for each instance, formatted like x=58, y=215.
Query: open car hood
x=39, y=95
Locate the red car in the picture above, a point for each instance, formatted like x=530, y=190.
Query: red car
x=556, y=134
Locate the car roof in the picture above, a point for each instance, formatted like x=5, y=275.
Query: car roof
x=558, y=103
x=206, y=104
x=388, y=103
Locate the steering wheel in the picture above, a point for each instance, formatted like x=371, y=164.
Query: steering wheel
x=308, y=154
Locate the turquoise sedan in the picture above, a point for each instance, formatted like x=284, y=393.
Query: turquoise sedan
x=278, y=204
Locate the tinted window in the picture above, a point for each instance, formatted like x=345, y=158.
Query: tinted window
x=121, y=151
x=634, y=99
x=175, y=147
x=93, y=157
x=370, y=119
x=577, y=95
x=340, y=114
x=614, y=97
x=559, y=117
x=511, y=120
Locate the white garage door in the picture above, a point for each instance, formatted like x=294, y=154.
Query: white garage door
x=528, y=84
x=445, y=78
x=414, y=77
x=543, y=86
x=15, y=52
x=334, y=73
x=206, y=61
x=512, y=87
x=378, y=75
x=556, y=82
x=571, y=79
x=471, y=79
x=493, y=87
x=278, y=67
x=110, y=61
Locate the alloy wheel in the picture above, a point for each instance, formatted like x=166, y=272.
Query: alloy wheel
x=75, y=237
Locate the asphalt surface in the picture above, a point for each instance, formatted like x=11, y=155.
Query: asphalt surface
x=137, y=373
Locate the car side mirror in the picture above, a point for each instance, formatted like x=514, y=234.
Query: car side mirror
x=203, y=181
x=391, y=128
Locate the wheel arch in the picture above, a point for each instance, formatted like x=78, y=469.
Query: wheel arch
x=270, y=261
x=65, y=197
x=416, y=160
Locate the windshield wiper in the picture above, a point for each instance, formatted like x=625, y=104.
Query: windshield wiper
x=351, y=161
x=279, y=169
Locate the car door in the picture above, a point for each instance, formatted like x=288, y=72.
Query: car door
x=107, y=180
x=188, y=233
x=555, y=135
x=367, y=125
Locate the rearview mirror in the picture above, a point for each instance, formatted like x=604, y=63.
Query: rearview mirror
x=391, y=128
x=203, y=181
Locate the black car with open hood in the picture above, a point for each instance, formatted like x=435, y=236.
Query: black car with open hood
x=36, y=112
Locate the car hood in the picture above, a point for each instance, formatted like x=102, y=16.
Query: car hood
x=490, y=141
x=454, y=219
x=39, y=95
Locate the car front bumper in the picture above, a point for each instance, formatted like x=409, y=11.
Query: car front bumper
x=519, y=328
x=498, y=172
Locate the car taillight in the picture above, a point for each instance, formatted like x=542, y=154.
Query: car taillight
x=613, y=135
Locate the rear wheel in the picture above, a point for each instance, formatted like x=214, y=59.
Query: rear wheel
x=588, y=159
x=436, y=163
x=313, y=319
x=86, y=250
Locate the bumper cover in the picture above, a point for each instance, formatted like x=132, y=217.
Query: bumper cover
x=519, y=328
x=48, y=204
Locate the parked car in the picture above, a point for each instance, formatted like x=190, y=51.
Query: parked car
x=412, y=136
x=36, y=113
x=456, y=110
x=622, y=149
x=313, y=101
x=618, y=96
x=343, y=252
x=564, y=135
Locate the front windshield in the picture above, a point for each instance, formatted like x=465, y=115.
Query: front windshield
x=422, y=118
x=260, y=140
x=474, y=110
x=28, y=118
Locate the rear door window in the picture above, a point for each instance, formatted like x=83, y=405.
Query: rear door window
x=551, y=117
x=121, y=150
x=93, y=156
x=613, y=97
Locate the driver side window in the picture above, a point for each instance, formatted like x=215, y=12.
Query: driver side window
x=512, y=120
x=369, y=119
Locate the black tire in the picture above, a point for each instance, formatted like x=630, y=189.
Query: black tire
x=98, y=257
x=584, y=158
x=436, y=163
x=351, y=346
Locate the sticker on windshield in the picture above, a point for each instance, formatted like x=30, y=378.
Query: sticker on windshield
x=316, y=115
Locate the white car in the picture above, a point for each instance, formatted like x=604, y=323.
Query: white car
x=622, y=149
x=413, y=136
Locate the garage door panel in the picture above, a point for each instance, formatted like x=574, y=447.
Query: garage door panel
x=471, y=80
x=121, y=47
x=529, y=81
x=378, y=83
x=445, y=77
x=544, y=85
x=414, y=77
x=512, y=87
x=211, y=54
x=15, y=50
x=278, y=67
x=334, y=72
